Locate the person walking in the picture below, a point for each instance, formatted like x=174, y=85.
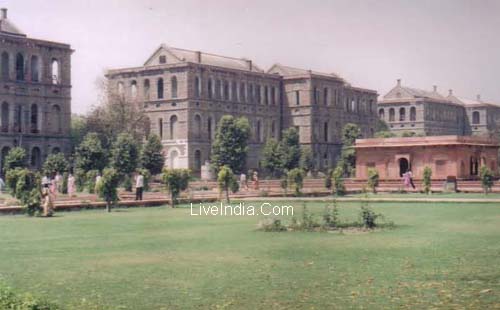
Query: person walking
x=139, y=186
x=255, y=180
x=410, y=178
x=71, y=185
x=243, y=181
x=48, y=200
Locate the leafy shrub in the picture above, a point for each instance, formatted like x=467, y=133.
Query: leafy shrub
x=10, y=300
x=427, y=180
x=80, y=180
x=284, y=185
x=107, y=187
x=271, y=224
x=126, y=182
x=328, y=179
x=90, y=180
x=64, y=184
x=24, y=185
x=373, y=179
x=296, y=179
x=16, y=158
x=486, y=177
x=331, y=216
x=308, y=222
x=338, y=187
x=368, y=217
x=175, y=180
x=55, y=163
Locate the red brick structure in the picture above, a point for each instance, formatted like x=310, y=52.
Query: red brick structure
x=459, y=156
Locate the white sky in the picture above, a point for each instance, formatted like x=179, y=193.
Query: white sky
x=450, y=43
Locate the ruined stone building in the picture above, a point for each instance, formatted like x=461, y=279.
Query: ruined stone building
x=422, y=112
x=185, y=93
x=35, y=94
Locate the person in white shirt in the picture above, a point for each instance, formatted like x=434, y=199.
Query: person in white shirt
x=139, y=186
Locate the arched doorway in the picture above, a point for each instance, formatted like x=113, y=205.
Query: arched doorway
x=403, y=166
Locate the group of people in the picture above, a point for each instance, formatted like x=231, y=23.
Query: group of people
x=53, y=186
x=244, y=181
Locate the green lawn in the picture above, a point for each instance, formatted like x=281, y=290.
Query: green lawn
x=431, y=196
x=441, y=256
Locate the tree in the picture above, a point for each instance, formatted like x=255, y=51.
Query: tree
x=350, y=133
x=107, y=187
x=328, y=179
x=55, y=163
x=486, y=177
x=125, y=155
x=78, y=129
x=90, y=155
x=338, y=187
x=272, y=158
x=230, y=146
x=306, y=159
x=381, y=126
x=373, y=179
x=427, y=180
x=24, y=185
x=152, y=157
x=296, y=179
x=290, y=148
x=16, y=158
x=227, y=181
x=175, y=180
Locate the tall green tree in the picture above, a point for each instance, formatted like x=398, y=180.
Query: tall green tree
x=107, y=187
x=125, y=154
x=226, y=180
x=90, y=155
x=231, y=143
x=55, y=163
x=290, y=148
x=152, y=157
x=272, y=158
x=296, y=179
x=16, y=158
x=306, y=159
x=347, y=161
x=175, y=180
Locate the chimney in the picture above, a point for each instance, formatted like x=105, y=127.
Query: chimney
x=450, y=92
x=399, y=82
x=198, y=56
x=478, y=97
x=435, y=88
x=4, y=13
x=249, y=63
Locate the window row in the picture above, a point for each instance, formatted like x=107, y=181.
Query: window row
x=14, y=119
x=350, y=104
x=27, y=70
x=402, y=114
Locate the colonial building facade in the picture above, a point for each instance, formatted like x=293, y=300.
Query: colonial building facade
x=429, y=113
x=35, y=94
x=185, y=93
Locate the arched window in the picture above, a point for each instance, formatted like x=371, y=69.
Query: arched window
x=234, y=91
x=173, y=86
x=57, y=117
x=160, y=128
x=5, y=117
x=54, y=71
x=34, y=118
x=297, y=97
x=18, y=113
x=218, y=89
x=159, y=88
x=325, y=96
x=413, y=114
x=133, y=89
x=273, y=95
x=5, y=66
x=402, y=114
x=146, y=89
x=226, y=90
x=258, y=96
x=209, y=128
x=210, y=89
x=36, y=157
x=325, y=131
x=121, y=89
x=35, y=69
x=197, y=87
x=197, y=160
x=354, y=107
x=173, y=127
x=266, y=95
x=197, y=126
x=476, y=119
x=391, y=115
x=20, y=67
x=381, y=113
x=242, y=92
x=258, y=132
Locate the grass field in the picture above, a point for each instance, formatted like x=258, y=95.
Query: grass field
x=441, y=256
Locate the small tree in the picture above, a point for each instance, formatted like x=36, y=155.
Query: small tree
x=227, y=181
x=24, y=185
x=427, y=180
x=55, y=163
x=230, y=146
x=284, y=185
x=80, y=179
x=306, y=159
x=125, y=156
x=106, y=187
x=290, y=148
x=486, y=179
x=338, y=187
x=90, y=179
x=373, y=179
x=328, y=179
x=90, y=155
x=64, y=184
x=176, y=180
x=272, y=158
x=152, y=157
x=16, y=158
x=296, y=179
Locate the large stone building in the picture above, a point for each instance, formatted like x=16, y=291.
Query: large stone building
x=35, y=94
x=186, y=92
x=429, y=113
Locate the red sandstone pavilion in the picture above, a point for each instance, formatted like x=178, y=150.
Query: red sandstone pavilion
x=458, y=156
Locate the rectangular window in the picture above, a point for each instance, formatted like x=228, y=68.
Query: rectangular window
x=297, y=97
x=273, y=96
